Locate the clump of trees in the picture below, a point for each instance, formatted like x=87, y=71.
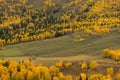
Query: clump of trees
x=92, y=65
x=112, y=54
x=27, y=70
x=20, y=21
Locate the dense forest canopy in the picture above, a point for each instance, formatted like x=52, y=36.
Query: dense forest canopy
x=28, y=20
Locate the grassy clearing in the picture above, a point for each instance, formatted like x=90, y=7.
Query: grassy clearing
x=63, y=46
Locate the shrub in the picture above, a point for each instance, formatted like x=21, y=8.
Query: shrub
x=55, y=78
x=68, y=64
x=59, y=64
x=97, y=77
x=106, y=53
x=112, y=54
x=108, y=77
x=69, y=77
x=110, y=71
x=93, y=65
x=83, y=76
x=53, y=70
x=118, y=76
x=84, y=66
x=61, y=76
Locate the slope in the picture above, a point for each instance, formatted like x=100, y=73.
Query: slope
x=63, y=46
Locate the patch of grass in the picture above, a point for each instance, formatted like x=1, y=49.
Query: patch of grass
x=11, y=52
x=63, y=46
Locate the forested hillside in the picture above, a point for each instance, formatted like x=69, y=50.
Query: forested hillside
x=81, y=39
x=29, y=20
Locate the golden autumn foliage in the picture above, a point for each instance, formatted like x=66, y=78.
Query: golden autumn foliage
x=84, y=65
x=110, y=71
x=53, y=70
x=99, y=77
x=68, y=64
x=26, y=70
x=118, y=76
x=93, y=65
x=20, y=21
x=59, y=64
x=83, y=76
x=49, y=3
x=55, y=78
x=69, y=77
x=112, y=54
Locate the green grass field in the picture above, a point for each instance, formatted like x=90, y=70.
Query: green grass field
x=63, y=46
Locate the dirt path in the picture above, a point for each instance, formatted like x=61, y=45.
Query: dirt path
x=70, y=58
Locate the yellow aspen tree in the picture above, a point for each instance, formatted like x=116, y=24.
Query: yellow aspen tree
x=110, y=71
x=83, y=76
